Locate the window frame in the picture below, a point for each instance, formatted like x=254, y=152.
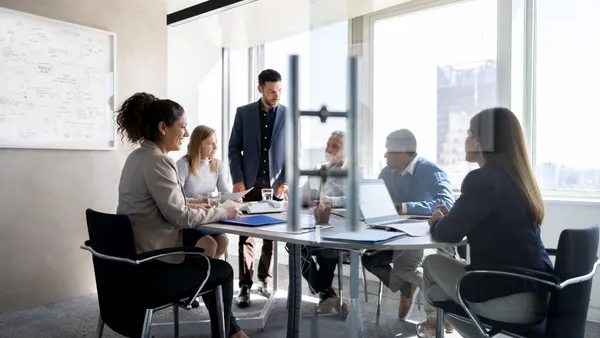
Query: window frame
x=509, y=73
x=523, y=74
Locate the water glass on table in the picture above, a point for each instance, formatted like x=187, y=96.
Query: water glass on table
x=267, y=194
x=322, y=210
x=213, y=198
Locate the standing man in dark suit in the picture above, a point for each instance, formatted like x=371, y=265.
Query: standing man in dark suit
x=257, y=159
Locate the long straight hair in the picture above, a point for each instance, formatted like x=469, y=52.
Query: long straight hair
x=503, y=144
x=194, y=155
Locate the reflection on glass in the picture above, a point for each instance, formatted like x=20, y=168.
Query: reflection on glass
x=432, y=71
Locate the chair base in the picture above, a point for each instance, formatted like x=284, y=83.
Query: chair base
x=100, y=328
x=193, y=327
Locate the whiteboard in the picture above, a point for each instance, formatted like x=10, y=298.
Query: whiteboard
x=57, y=84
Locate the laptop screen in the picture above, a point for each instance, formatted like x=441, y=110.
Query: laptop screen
x=375, y=202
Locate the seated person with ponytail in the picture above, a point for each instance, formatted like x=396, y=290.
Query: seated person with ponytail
x=150, y=194
x=500, y=211
x=199, y=173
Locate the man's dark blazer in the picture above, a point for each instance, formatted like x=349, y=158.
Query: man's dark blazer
x=244, y=146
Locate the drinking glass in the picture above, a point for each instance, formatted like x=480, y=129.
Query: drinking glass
x=322, y=210
x=213, y=198
x=267, y=194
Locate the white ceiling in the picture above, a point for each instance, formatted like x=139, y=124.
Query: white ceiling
x=175, y=5
x=268, y=20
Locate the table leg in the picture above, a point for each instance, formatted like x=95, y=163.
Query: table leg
x=295, y=292
x=356, y=326
x=275, y=267
x=439, y=332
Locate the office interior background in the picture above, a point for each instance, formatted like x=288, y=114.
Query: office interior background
x=426, y=65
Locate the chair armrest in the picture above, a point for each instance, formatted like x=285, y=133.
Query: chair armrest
x=147, y=256
x=527, y=274
x=521, y=273
x=516, y=272
x=155, y=254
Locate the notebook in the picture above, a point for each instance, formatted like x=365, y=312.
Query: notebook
x=254, y=221
x=366, y=236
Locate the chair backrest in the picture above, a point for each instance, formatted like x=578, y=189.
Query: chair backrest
x=117, y=282
x=111, y=234
x=576, y=254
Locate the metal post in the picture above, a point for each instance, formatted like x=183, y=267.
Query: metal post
x=351, y=142
x=220, y=314
x=293, y=173
x=439, y=332
x=225, y=101
x=293, y=178
x=293, y=150
x=529, y=88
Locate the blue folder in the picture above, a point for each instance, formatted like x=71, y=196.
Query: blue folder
x=254, y=221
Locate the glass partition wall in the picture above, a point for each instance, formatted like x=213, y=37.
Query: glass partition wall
x=429, y=66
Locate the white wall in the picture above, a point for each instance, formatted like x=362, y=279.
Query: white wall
x=45, y=192
x=194, y=78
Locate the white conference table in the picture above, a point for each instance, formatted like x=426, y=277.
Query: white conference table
x=295, y=292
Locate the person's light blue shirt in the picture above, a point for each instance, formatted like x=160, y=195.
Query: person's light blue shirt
x=419, y=188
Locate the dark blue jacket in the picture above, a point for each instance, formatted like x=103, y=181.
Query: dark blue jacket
x=244, y=146
x=500, y=230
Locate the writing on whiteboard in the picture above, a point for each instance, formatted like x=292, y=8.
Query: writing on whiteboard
x=55, y=83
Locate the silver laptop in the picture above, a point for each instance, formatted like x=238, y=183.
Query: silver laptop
x=376, y=204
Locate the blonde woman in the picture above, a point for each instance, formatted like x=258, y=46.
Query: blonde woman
x=199, y=173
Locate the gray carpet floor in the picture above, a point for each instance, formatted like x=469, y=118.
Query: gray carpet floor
x=78, y=317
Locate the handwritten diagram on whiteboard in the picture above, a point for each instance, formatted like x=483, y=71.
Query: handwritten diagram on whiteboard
x=56, y=84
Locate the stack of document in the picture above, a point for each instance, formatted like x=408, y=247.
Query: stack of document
x=283, y=228
x=366, y=236
x=413, y=228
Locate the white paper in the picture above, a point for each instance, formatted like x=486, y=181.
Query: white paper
x=230, y=203
x=234, y=196
x=283, y=228
x=363, y=236
x=413, y=229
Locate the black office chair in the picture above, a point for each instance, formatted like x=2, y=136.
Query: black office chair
x=124, y=304
x=575, y=266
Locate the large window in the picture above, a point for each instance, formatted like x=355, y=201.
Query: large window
x=567, y=79
x=432, y=71
x=323, y=55
x=239, y=94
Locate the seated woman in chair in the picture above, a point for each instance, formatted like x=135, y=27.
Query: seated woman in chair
x=151, y=195
x=200, y=172
x=500, y=211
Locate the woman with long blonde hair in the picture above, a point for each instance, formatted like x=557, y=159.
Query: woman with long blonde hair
x=199, y=173
x=500, y=211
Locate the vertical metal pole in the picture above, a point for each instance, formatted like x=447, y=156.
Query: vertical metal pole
x=530, y=64
x=504, y=53
x=275, y=267
x=293, y=150
x=251, y=74
x=176, y=321
x=225, y=102
x=353, y=191
x=220, y=313
x=341, y=280
x=352, y=143
x=293, y=178
x=439, y=331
